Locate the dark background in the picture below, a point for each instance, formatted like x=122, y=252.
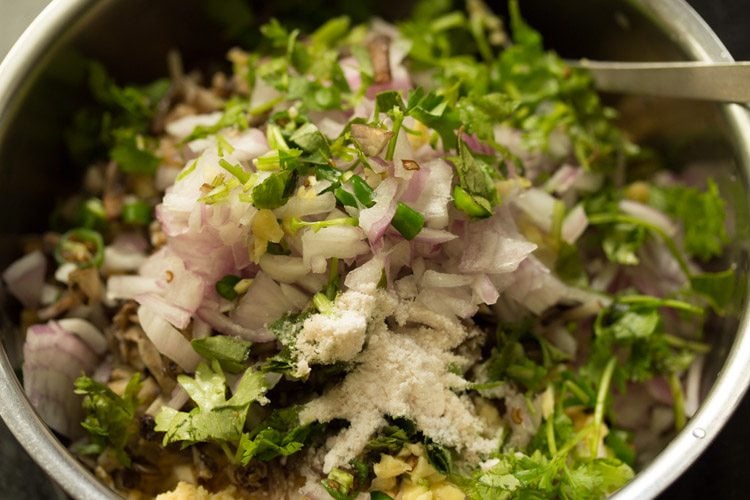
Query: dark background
x=723, y=472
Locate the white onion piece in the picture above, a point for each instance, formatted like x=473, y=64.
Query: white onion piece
x=262, y=94
x=126, y=286
x=563, y=179
x=538, y=206
x=122, y=257
x=365, y=277
x=485, y=290
x=183, y=127
x=224, y=324
x=432, y=236
x=167, y=310
x=536, y=288
x=375, y=220
x=180, y=287
x=25, y=278
x=283, y=268
x=434, y=279
x=494, y=245
x=344, y=242
x=648, y=214
x=53, y=359
x=456, y=301
x=313, y=282
x=298, y=299
x=263, y=303
x=63, y=272
x=87, y=332
x=302, y=206
x=167, y=339
x=435, y=196
x=247, y=145
x=574, y=225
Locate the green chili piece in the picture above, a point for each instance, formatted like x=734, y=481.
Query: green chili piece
x=82, y=247
x=136, y=213
x=407, y=221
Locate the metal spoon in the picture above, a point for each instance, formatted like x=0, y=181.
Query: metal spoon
x=722, y=82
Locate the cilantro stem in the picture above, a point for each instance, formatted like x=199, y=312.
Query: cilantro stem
x=675, y=387
x=597, y=219
x=577, y=391
x=322, y=303
x=658, y=302
x=398, y=120
x=266, y=106
x=294, y=224
x=690, y=345
x=601, y=397
x=235, y=170
x=332, y=287
x=551, y=443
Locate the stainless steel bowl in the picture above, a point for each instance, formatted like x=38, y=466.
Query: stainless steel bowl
x=39, y=91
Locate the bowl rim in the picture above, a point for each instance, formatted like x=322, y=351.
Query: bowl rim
x=675, y=17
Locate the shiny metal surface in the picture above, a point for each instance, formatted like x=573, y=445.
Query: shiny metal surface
x=692, y=33
x=63, y=20
x=721, y=82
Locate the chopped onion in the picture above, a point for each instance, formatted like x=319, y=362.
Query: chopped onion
x=224, y=324
x=494, y=245
x=87, y=332
x=25, y=278
x=284, y=268
x=574, y=225
x=434, y=279
x=263, y=303
x=344, y=242
x=183, y=127
x=648, y=214
x=125, y=286
x=53, y=359
x=365, y=277
x=167, y=339
x=376, y=219
x=538, y=206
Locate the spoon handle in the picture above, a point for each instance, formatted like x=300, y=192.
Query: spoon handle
x=723, y=82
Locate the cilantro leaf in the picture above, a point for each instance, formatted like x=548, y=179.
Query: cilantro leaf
x=481, y=113
x=110, y=419
x=476, y=179
x=214, y=418
x=232, y=353
x=280, y=435
x=275, y=190
x=718, y=288
x=702, y=215
x=621, y=243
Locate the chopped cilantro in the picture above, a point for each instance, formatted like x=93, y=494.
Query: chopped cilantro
x=478, y=195
x=214, y=418
x=702, y=215
x=280, y=435
x=275, y=190
x=110, y=419
x=232, y=353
